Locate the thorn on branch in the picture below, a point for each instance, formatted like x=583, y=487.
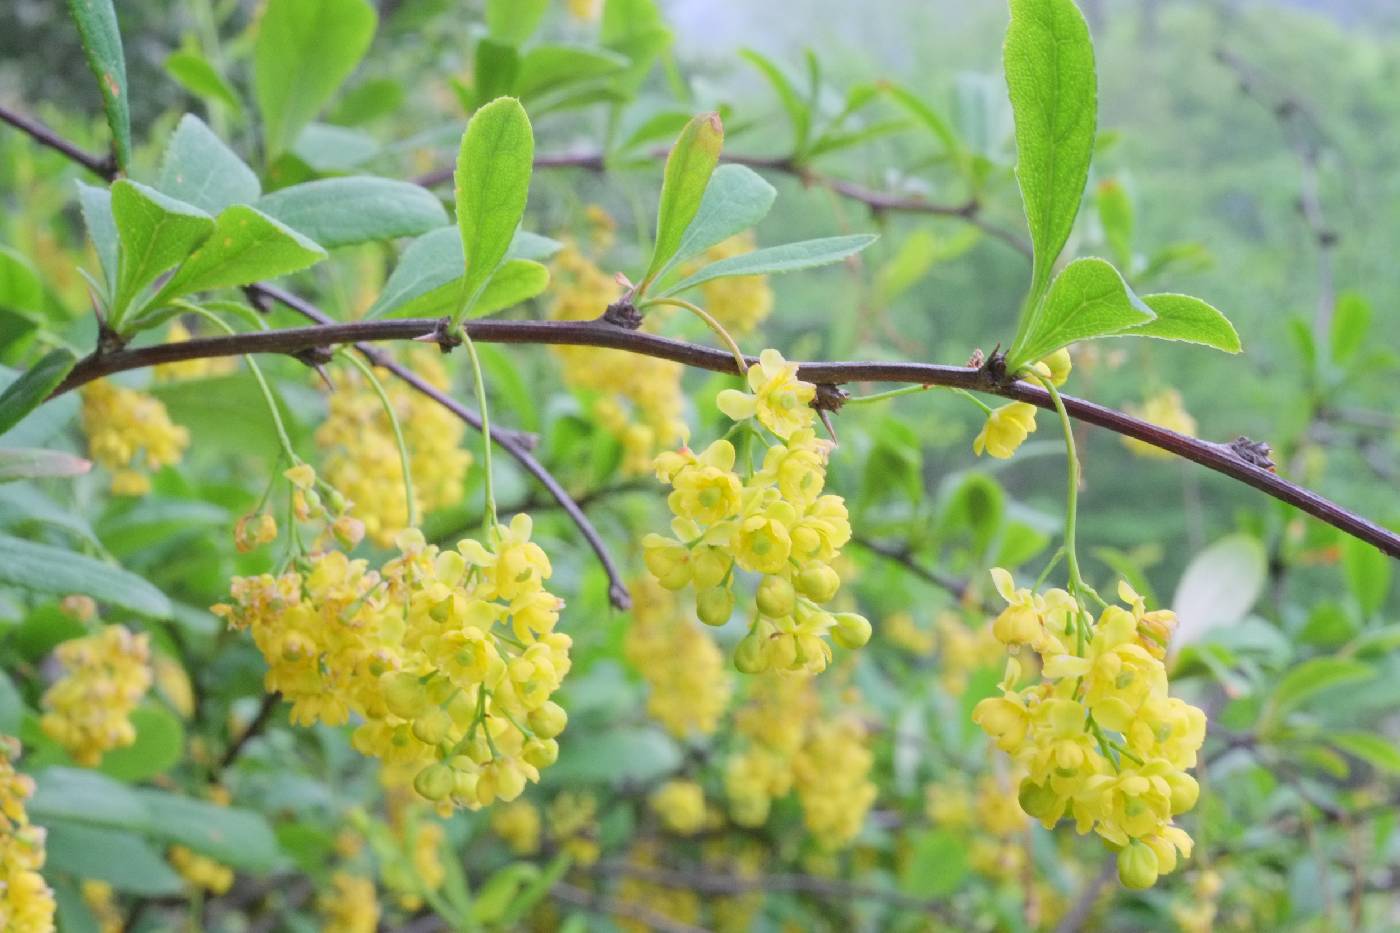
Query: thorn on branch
x=995, y=367
x=444, y=335
x=829, y=397
x=622, y=313
x=1255, y=453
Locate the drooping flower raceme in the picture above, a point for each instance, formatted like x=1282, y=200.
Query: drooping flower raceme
x=131, y=434
x=88, y=709
x=449, y=657
x=773, y=521
x=688, y=683
x=26, y=902
x=1099, y=738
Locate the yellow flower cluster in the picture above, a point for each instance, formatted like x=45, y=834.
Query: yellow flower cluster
x=518, y=825
x=688, y=686
x=636, y=399
x=739, y=302
x=1099, y=738
x=349, y=906
x=997, y=849
x=26, y=903
x=449, y=657
x=361, y=455
x=130, y=433
x=422, y=870
x=680, y=805
x=963, y=650
x=573, y=825
x=1008, y=426
x=681, y=905
x=201, y=871
x=88, y=709
x=786, y=742
x=101, y=902
x=205, y=368
x=1164, y=409
x=776, y=523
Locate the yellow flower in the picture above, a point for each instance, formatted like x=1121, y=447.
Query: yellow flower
x=688, y=686
x=680, y=805
x=1165, y=410
x=130, y=433
x=201, y=871
x=349, y=906
x=87, y=710
x=26, y=902
x=1005, y=430
x=518, y=825
x=779, y=400
x=707, y=491
x=191, y=369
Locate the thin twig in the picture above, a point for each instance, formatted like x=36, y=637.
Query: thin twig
x=597, y=903
x=1078, y=915
x=1234, y=460
x=102, y=166
x=901, y=554
x=255, y=728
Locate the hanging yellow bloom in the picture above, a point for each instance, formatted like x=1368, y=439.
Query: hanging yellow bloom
x=26, y=902
x=88, y=709
x=1005, y=430
x=350, y=906
x=777, y=398
x=130, y=433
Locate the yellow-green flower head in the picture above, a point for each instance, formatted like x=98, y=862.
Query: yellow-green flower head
x=680, y=805
x=764, y=542
x=708, y=490
x=1055, y=367
x=797, y=468
x=26, y=902
x=1006, y=429
x=779, y=400
x=88, y=709
x=131, y=434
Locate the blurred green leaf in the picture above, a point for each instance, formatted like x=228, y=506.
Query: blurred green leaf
x=232, y=835
x=790, y=257
x=29, y=391
x=514, y=21
x=86, y=796
x=20, y=287
x=102, y=46
x=1351, y=321
x=96, y=206
x=798, y=110
x=341, y=211
x=11, y=706
x=688, y=169
x=1367, y=573
x=334, y=149
x=42, y=568
x=1314, y=676
x=494, y=166
x=494, y=73
x=197, y=74
x=159, y=745
x=1219, y=586
x=122, y=859
x=1371, y=748
x=1116, y=217
x=937, y=865
x=548, y=68
x=305, y=49
x=18, y=464
x=199, y=169
x=736, y=199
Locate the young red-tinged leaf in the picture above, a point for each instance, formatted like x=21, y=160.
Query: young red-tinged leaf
x=492, y=185
x=688, y=169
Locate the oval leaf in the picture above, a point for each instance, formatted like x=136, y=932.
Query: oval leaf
x=29, y=391
x=737, y=198
x=231, y=835
x=46, y=569
x=1373, y=749
x=1315, y=675
x=341, y=211
x=1219, y=587
x=247, y=245
x=492, y=185
x=200, y=169
x=156, y=232
x=1181, y=317
x=1088, y=299
x=688, y=169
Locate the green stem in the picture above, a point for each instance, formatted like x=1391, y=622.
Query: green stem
x=393, y=417
x=986, y=409
x=710, y=322
x=1076, y=580
x=479, y=387
x=881, y=396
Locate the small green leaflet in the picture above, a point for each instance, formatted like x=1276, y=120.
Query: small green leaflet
x=1049, y=63
x=197, y=75
x=156, y=233
x=1088, y=299
x=514, y=21
x=360, y=209
x=423, y=281
x=492, y=184
x=1182, y=317
x=200, y=169
x=797, y=109
x=247, y=245
x=737, y=198
x=688, y=169
x=777, y=259
x=102, y=45
x=96, y=206
x=29, y=391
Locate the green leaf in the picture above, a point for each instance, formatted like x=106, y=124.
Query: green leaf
x=1351, y=320
x=635, y=755
x=24, y=505
x=122, y=859
x=96, y=206
x=1314, y=676
x=514, y=21
x=200, y=169
x=29, y=391
x=737, y=198
x=156, y=233
x=20, y=287
x=427, y=279
x=102, y=45
x=937, y=866
x=773, y=260
x=11, y=706
x=547, y=68
x=492, y=184
x=1116, y=217
x=86, y=796
x=237, y=837
x=515, y=281
x=159, y=745
x=494, y=71
x=42, y=568
x=334, y=149
x=797, y=109
x=305, y=50
x=636, y=29
x=688, y=169
x=1049, y=62
x=247, y=245
x=1088, y=299
x=930, y=118
x=341, y=211
x=1373, y=749
x=1367, y=573
x=196, y=74
x=374, y=98
x=1219, y=586
x=37, y=464
x=1182, y=317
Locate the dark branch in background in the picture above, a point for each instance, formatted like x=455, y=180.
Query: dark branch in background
x=255, y=728
x=878, y=202
x=509, y=441
x=1302, y=132
x=1235, y=459
x=902, y=555
x=104, y=166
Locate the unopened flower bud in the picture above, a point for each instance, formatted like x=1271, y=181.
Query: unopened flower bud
x=818, y=582
x=776, y=597
x=851, y=631
x=434, y=782
x=715, y=605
